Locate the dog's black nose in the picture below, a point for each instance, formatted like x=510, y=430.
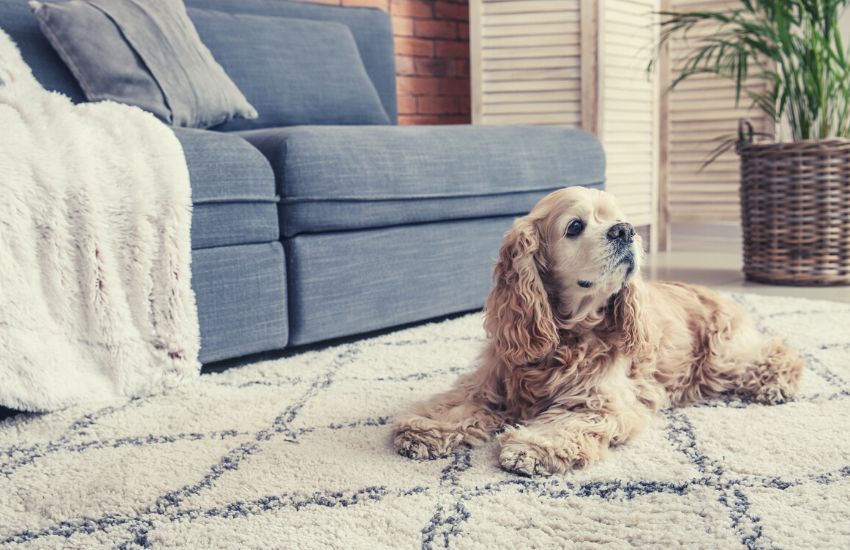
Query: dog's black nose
x=623, y=232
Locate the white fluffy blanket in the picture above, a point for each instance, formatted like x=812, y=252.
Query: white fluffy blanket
x=95, y=212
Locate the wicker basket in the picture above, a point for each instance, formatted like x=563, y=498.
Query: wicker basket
x=795, y=210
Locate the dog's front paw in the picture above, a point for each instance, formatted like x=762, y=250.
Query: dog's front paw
x=769, y=395
x=425, y=445
x=527, y=453
x=523, y=460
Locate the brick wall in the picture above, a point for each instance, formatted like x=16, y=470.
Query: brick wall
x=432, y=58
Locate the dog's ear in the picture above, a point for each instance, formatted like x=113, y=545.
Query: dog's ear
x=628, y=319
x=518, y=316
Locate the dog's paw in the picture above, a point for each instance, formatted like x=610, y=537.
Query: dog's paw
x=772, y=395
x=526, y=453
x=425, y=445
x=523, y=460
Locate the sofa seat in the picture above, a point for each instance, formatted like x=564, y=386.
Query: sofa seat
x=332, y=178
x=233, y=195
x=351, y=282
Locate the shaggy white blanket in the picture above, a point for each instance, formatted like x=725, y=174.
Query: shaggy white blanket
x=296, y=453
x=95, y=212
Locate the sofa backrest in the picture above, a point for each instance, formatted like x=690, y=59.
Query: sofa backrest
x=371, y=28
x=17, y=20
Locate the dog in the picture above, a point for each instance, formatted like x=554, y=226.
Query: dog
x=581, y=351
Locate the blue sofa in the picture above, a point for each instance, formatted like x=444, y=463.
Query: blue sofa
x=306, y=233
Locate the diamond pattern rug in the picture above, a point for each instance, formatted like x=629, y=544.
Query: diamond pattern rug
x=295, y=453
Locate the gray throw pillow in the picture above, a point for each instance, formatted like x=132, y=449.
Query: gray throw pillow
x=295, y=71
x=145, y=53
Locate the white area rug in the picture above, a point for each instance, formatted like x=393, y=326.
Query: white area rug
x=295, y=453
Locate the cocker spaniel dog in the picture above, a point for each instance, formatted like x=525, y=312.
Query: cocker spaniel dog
x=581, y=350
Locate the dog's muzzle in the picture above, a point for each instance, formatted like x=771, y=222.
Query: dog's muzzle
x=621, y=237
x=628, y=259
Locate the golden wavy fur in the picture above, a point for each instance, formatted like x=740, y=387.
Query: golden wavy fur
x=582, y=351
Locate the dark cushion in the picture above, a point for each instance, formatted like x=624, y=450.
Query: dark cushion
x=145, y=54
x=294, y=71
x=337, y=178
x=372, y=30
x=233, y=192
x=92, y=46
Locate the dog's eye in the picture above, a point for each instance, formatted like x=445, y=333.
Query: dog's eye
x=575, y=228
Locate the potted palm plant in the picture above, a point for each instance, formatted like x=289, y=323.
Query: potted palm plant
x=795, y=194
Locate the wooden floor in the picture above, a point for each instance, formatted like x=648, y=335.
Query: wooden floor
x=711, y=256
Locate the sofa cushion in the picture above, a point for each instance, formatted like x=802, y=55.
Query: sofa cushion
x=371, y=28
x=339, y=178
x=78, y=31
x=233, y=193
x=142, y=53
x=294, y=71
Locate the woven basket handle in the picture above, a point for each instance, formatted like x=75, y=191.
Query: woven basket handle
x=745, y=132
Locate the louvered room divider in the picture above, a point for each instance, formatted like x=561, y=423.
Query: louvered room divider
x=702, y=111
x=575, y=63
x=582, y=63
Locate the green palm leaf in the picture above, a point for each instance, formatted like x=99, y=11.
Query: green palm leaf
x=793, y=47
